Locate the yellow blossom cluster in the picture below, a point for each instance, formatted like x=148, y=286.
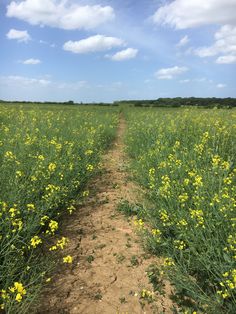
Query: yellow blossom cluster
x=186, y=161
x=48, y=153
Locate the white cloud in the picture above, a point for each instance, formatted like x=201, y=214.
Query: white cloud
x=125, y=54
x=182, y=14
x=20, y=36
x=25, y=81
x=74, y=86
x=60, y=13
x=220, y=85
x=183, y=41
x=170, y=73
x=31, y=61
x=202, y=79
x=226, y=59
x=225, y=43
x=184, y=81
x=93, y=44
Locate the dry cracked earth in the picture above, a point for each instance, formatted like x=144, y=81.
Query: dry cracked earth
x=109, y=261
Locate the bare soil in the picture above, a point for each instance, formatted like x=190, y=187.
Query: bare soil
x=109, y=262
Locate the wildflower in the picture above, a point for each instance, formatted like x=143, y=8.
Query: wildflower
x=180, y=245
x=10, y=155
x=157, y=234
x=43, y=220
x=186, y=181
x=198, y=215
x=139, y=223
x=88, y=152
x=198, y=181
x=17, y=224
x=60, y=244
x=19, y=174
x=30, y=207
x=53, y=226
x=35, y=241
x=90, y=167
x=146, y=294
x=67, y=259
x=183, y=197
x=225, y=165
x=52, y=167
x=18, y=297
x=19, y=289
x=71, y=208
x=85, y=193
x=168, y=262
x=41, y=157
x=182, y=222
x=216, y=161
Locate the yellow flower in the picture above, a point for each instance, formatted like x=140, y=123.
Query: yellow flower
x=19, y=174
x=18, y=297
x=30, y=207
x=52, y=167
x=168, y=262
x=88, y=152
x=35, y=241
x=67, y=259
x=53, y=225
x=198, y=181
x=180, y=245
x=183, y=198
x=19, y=289
x=89, y=167
x=41, y=157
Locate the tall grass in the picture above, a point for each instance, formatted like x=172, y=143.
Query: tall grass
x=185, y=159
x=47, y=155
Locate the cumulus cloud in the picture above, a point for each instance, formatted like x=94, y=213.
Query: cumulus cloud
x=225, y=45
x=61, y=14
x=182, y=14
x=93, y=44
x=125, y=54
x=20, y=36
x=170, y=73
x=220, y=85
x=183, y=41
x=31, y=61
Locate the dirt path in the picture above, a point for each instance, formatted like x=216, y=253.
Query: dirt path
x=109, y=263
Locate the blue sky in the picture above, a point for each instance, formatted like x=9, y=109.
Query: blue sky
x=106, y=50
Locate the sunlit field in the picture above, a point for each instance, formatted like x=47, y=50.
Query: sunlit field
x=182, y=158
x=47, y=154
x=185, y=160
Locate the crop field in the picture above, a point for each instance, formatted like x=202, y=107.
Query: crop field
x=185, y=160
x=47, y=155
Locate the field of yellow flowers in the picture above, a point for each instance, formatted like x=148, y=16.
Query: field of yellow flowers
x=47, y=155
x=186, y=161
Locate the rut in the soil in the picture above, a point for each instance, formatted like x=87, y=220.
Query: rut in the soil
x=103, y=278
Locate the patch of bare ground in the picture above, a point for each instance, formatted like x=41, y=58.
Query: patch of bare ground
x=109, y=262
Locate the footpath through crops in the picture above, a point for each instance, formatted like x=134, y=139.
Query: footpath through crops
x=184, y=161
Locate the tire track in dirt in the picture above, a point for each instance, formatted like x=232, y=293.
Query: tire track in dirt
x=102, y=278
